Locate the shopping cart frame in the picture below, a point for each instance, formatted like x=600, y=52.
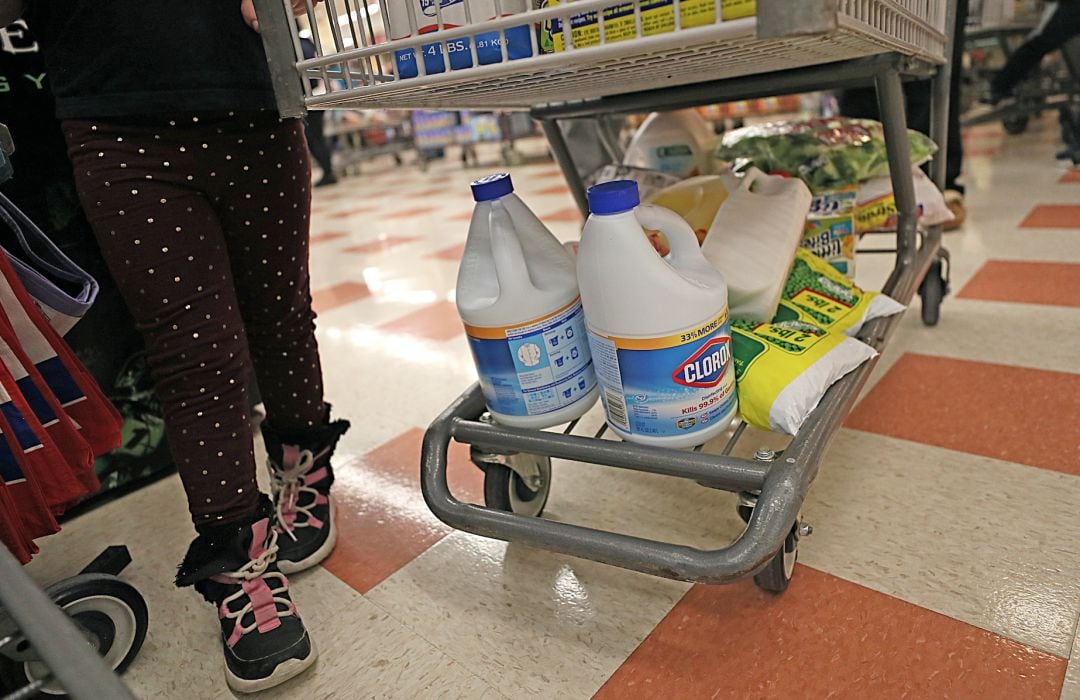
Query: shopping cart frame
x=776, y=484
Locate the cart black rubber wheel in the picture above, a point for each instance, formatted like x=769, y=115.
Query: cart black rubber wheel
x=932, y=291
x=1015, y=124
x=776, y=575
x=113, y=614
x=505, y=490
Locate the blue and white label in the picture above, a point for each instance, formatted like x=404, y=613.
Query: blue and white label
x=662, y=387
x=534, y=368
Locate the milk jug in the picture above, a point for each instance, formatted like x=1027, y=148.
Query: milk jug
x=658, y=327
x=518, y=297
x=672, y=142
x=408, y=17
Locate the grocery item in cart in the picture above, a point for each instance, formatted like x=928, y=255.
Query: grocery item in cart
x=753, y=238
x=648, y=181
x=406, y=18
x=825, y=153
x=672, y=142
x=875, y=206
x=517, y=294
x=695, y=200
x=830, y=299
x=658, y=327
x=785, y=366
x=657, y=17
x=830, y=228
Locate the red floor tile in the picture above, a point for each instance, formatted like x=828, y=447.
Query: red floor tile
x=326, y=237
x=409, y=213
x=438, y=322
x=567, y=214
x=1019, y=414
x=548, y=173
x=339, y=295
x=380, y=244
x=355, y=211
x=984, y=152
x=1071, y=177
x=464, y=216
x=383, y=523
x=557, y=189
x=453, y=253
x=1053, y=216
x=1053, y=284
x=825, y=638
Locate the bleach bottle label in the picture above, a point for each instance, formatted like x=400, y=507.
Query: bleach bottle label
x=537, y=367
x=660, y=387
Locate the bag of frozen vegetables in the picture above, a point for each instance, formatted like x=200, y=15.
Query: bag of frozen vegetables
x=784, y=367
x=824, y=153
x=830, y=299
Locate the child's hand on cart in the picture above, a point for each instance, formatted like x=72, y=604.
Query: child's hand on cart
x=247, y=9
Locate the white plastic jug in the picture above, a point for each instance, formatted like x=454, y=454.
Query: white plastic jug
x=518, y=297
x=695, y=200
x=752, y=240
x=658, y=327
x=672, y=142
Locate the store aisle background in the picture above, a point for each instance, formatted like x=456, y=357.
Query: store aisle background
x=945, y=558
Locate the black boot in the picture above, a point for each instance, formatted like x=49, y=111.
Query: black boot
x=233, y=567
x=300, y=480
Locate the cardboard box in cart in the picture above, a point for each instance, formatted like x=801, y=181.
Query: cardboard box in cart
x=424, y=19
x=657, y=17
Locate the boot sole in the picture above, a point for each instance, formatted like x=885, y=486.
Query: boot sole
x=286, y=670
x=316, y=557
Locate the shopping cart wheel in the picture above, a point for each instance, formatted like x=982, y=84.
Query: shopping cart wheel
x=111, y=613
x=932, y=291
x=518, y=483
x=776, y=575
x=1015, y=123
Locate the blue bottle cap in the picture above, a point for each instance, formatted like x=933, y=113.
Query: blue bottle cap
x=492, y=187
x=614, y=197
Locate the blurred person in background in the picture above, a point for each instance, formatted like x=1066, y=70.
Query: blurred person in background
x=316, y=128
x=199, y=196
x=1060, y=22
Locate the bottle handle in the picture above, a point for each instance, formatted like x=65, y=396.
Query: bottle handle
x=506, y=250
x=685, y=250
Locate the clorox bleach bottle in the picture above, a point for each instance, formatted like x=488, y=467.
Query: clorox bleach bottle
x=658, y=327
x=517, y=294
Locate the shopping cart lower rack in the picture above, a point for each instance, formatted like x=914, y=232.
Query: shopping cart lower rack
x=791, y=46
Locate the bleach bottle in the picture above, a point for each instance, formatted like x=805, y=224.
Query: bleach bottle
x=658, y=327
x=517, y=294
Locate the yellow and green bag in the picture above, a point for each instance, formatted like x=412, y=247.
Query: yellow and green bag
x=784, y=367
x=831, y=300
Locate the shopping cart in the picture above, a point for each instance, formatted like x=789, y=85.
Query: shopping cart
x=791, y=46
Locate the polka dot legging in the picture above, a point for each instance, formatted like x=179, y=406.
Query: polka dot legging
x=204, y=223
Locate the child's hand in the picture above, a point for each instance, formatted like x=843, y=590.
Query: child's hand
x=247, y=9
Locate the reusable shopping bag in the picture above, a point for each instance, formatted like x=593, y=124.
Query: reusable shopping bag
x=73, y=387
x=62, y=290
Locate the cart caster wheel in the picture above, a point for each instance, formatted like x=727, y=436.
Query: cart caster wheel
x=776, y=575
x=112, y=615
x=506, y=489
x=1015, y=124
x=932, y=291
